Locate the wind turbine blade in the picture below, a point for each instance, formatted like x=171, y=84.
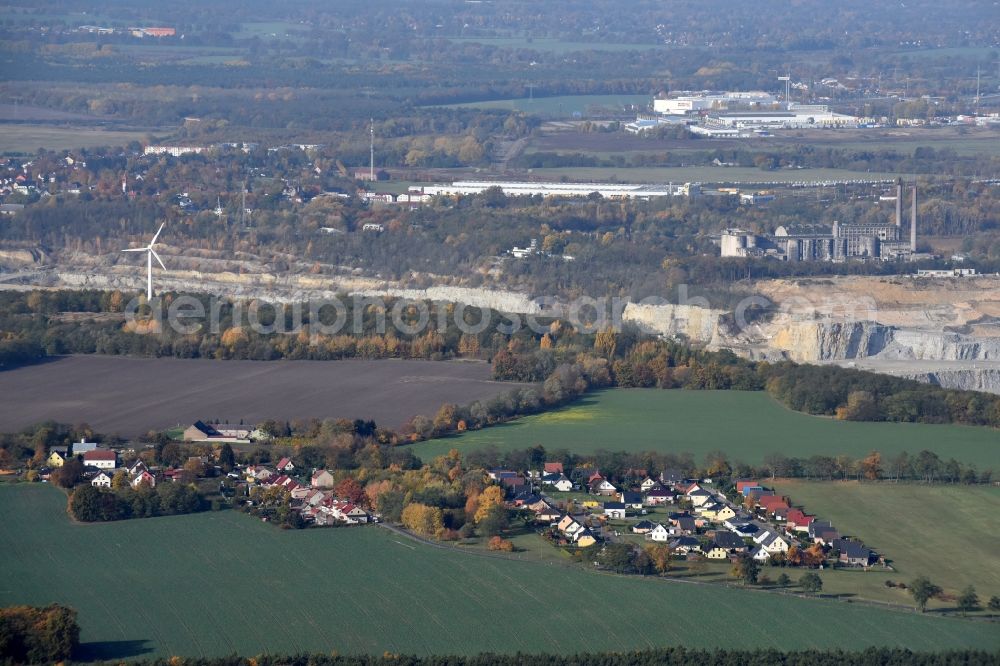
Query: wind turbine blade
x=157, y=235
x=160, y=261
x=135, y=249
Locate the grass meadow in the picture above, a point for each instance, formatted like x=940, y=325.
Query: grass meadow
x=20, y=138
x=560, y=105
x=746, y=425
x=218, y=583
x=948, y=533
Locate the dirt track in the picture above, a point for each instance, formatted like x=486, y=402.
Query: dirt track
x=130, y=396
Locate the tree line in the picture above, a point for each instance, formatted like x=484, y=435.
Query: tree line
x=38, y=635
x=667, y=656
x=89, y=504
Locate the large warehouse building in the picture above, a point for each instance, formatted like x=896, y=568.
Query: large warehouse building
x=608, y=190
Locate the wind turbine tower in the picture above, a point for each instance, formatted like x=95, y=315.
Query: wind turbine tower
x=371, y=166
x=150, y=253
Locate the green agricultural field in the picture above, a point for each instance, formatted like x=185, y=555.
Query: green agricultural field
x=707, y=174
x=949, y=533
x=218, y=583
x=17, y=138
x=563, y=105
x=746, y=425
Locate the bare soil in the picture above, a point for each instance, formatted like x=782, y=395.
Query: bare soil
x=130, y=396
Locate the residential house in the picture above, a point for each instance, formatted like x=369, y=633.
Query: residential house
x=716, y=552
x=647, y=484
x=101, y=459
x=798, y=521
x=143, y=478
x=729, y=541
x=686, y=545
x=775, y=543
x=569, y=526
x=716, y=511
x=585, y=538
x=631, y=500
x=353, y=514
x=553, y=468
x=823, y=533
x=101, y=480
x=515, y=482
x=853, y=553
x=698, y=496
x=614, y=510
x=321, y=478
x=558, y=481
x=58, y=455
x=544, y=512
x=523, y=497
x=643, y=527
x=498, y=474
x=603, y=487
x=137, y=467
x=286, y=465
x=768, y=503
x=669, y=477
x=745, y=483
x=760, y=555
x=660, y=534
x=745, y=529
x=658, y=495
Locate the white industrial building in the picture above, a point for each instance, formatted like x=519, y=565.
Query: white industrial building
x=706, y=101
x=796, y=116
x=608, y=190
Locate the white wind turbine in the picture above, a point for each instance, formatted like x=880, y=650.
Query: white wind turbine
x=150, y=253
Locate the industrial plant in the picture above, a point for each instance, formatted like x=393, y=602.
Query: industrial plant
x=838, y=242
x=741, y=113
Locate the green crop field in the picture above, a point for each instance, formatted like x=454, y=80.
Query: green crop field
x=217, y=583
x=563, y=105
x=17, y=138
x=949, y=533
x=707, y=174
x=746, y=425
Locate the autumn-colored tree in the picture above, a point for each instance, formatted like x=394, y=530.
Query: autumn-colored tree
x=376, y=488
x=871, y=465
x=605, y=342
x=468, y=345
x=423, y=519
x=545, y=342
x=492, y=496
x=444, y=420
x=501, y=544
x=350, y=489
x=660, y=555
x=120, y=479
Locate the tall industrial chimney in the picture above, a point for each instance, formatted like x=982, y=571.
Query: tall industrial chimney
x=913, y=221
x=899, y=204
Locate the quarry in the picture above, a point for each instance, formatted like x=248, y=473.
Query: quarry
x=939, y=329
